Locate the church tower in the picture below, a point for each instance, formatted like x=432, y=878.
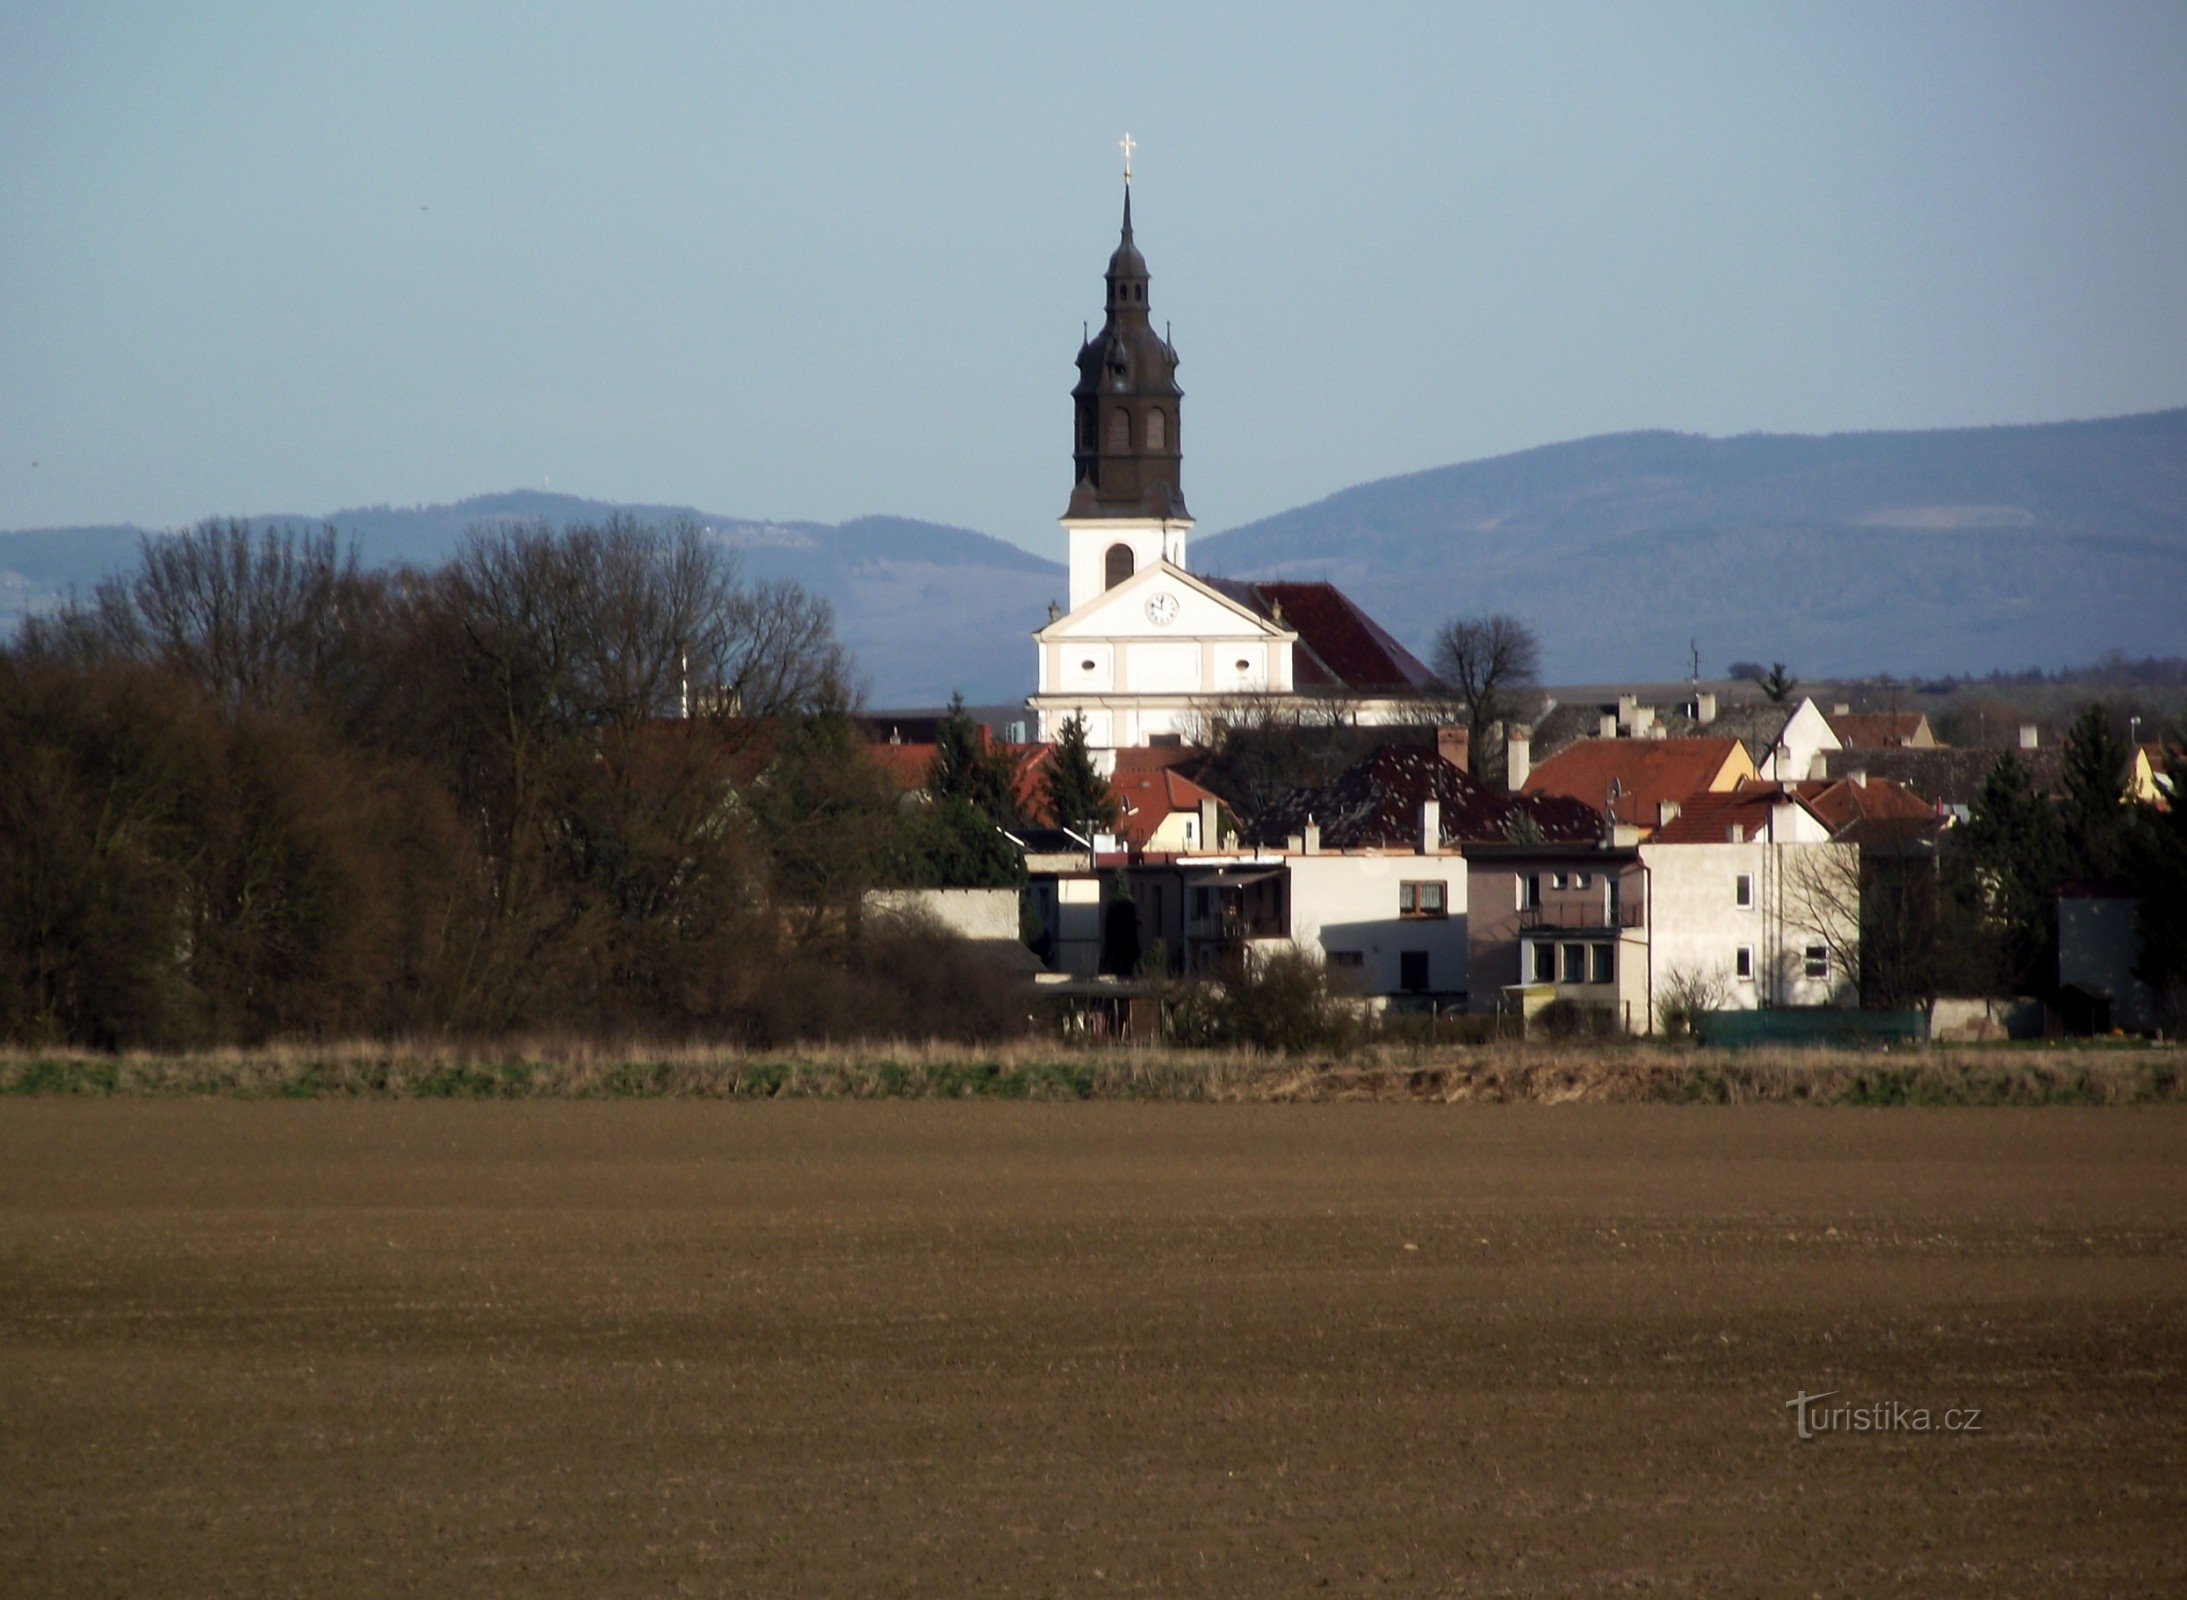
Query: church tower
x=1127, y=508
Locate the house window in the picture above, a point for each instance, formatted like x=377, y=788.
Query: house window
x=1545, y=963
x=1602, y=963
x=1530, y=892
x=1412, y=971
x=1200, y=904
x=1421, y=900
x=1742, y=964
x=1118, y=566
x=1582, y=880
x=1815, y=961
x=1348, y=960
x=1743, y=890
x=1575, y=963
x=1557, y=880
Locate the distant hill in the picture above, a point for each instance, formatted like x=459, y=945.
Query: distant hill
x=1913, y=553
x=927, y=609
x=1931, y=552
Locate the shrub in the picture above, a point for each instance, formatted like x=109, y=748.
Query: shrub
x=1279, y=1002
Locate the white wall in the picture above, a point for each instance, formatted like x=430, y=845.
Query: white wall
x=1350, y=903
x=1802, y=894
x=968, y=913
x=1089, y=543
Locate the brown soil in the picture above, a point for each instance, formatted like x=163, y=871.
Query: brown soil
x=658, y=1348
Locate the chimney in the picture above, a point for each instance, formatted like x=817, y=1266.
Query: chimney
x=1295, y=844
x=1455, y=745
x=1431, y=827
x=1644, y=723
x=1607, y=727
x=1312, y=838
x=1859, y=777
x=1704, y=708
x=1736, y=833
x=2029, y=735
x=1841, y=709
x=1666, y=812
x=1628, y=713
x=1208, y=807
x=1518, y=758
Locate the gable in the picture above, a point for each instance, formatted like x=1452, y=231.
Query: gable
x=1201, y=612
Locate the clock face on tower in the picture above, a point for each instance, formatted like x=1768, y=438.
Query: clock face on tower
x=1162, y=609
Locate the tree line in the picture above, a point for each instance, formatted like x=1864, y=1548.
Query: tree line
x=590, y=778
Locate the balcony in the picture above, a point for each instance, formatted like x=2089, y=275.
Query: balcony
x=1579, y=919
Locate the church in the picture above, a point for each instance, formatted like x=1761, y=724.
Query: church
x=1149, y=653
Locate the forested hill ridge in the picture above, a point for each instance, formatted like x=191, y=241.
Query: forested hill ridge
x=1950, y=550
x=1959, y=550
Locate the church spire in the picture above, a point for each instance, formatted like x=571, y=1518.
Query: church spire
x=1126, y=402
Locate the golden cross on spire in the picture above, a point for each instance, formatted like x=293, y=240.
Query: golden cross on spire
x=1127, y=144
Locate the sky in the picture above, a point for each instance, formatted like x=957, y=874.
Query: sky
x=820, y=260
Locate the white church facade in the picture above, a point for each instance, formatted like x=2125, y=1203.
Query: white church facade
x=1147, y=652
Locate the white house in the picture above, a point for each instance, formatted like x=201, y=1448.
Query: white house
x=1751, y=902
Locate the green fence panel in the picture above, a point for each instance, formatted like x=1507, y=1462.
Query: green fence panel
x=1737, y=1030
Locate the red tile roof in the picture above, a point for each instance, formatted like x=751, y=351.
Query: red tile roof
x=1724, y=817
x=1148, y=798
x=1840, y=802
x=1339, y=645
x=1877, y=730
x=1647, y=772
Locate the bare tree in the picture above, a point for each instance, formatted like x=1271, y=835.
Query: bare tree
x=1820, y=891
x=260, y=621
x=1486, y=662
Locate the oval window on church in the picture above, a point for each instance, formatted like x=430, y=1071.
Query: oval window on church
x=1118, y=566
x=1119, y=431
x=1157, y=431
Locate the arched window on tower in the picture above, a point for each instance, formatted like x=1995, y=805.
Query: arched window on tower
x=1117, y=567
x=1119, y=432
x=1157, y=431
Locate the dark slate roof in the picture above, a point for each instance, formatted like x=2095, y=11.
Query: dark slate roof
x=1944, y=774
x=1756, y=724
x=1340, y=646
x=1375, y=804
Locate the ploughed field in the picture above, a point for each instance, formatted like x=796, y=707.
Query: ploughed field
x=658, y=1348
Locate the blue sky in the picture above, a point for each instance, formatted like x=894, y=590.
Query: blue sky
x=827, y=259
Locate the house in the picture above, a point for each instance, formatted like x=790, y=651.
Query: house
x=1635, y=780
x=1377, y=804
x=1559, y=921
x=1148, y=650
x=1782, y=741
x=1881, y=730
x=1738, y=900
x=1160, y=811
x=2149, y=779
x=2098, y=948
x=1365, y=872
x=1752, y=901
x=1946, y=777
x=1389, y=925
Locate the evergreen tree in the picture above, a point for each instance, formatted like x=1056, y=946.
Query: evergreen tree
x=969, y=768
x=2017, y=851
x=2093, y=807
x=1779, y=684
x=1078, y=796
